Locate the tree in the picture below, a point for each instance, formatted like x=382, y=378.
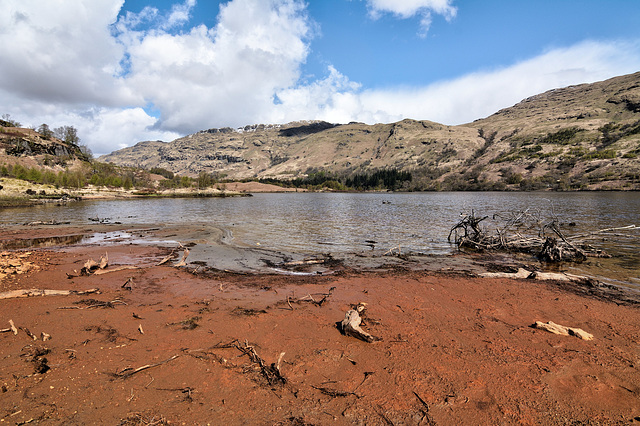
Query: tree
x=204, y=180
x=8, y=122
x=69, y=134
x=45, y=131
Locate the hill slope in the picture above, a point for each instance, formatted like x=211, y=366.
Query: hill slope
x=579, y=137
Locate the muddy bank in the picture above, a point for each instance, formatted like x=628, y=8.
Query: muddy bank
x=172, y=345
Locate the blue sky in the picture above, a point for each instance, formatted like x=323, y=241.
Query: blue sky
x=122, y=71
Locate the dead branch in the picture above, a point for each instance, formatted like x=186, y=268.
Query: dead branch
x=28, y=333
x=310, y=299
x=335, y=393
x=116, y=269
x=304, y=262
x=13, y=327
x=526, y=232
x=270, y=372
x=128, y=372
x=183, y=261
x=128, y=285
x=390, y=251
x=90, y=266
x=44, y=292
x=350, y=325
x=554, y=328
x=166, y=259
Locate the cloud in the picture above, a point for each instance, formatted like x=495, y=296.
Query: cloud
x=98, y=66
x=122, y=78
x=62, y=51
x=408, y=8
x=482, y=93
x=222, y=74
x=180, y=14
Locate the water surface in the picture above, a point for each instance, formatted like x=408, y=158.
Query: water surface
x=353, y=222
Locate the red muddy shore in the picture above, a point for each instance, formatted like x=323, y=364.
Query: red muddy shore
x=455, y=349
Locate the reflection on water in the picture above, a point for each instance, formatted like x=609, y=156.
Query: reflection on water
x=339, y=223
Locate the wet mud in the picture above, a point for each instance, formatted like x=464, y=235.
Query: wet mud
x=247, y=335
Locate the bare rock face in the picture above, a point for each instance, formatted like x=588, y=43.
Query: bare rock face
x=579, y=137
x=17, y=141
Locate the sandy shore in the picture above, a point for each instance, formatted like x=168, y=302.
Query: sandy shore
x=180, y=345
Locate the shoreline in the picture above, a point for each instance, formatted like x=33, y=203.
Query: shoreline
x=455, y=347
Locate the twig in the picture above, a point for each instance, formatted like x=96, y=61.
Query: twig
x=270, y=372
x=128, y=372
x=335, y=393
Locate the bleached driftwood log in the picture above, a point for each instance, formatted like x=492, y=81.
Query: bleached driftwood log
x=554, y=328
x=540, y=276
x=350, y=325
x=91, y=265
x=43, y=292
x=183, y=261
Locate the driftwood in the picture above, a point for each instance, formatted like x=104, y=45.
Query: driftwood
x=554, y=328
x=390, y=252
x=335, y=393
x=310, y=299
x=527, y=232
x=272, y=372
x=90, y=266
x=128, y=372
x=350, y=325
x=304, y=262
x=44, y=292
x=540, y=276
x=50, y=222
x=12, y=328
x=28, y=333
x=183, y=261
x=128, y=285
x=166, y=259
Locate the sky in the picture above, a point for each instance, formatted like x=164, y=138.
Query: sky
x=124, y=71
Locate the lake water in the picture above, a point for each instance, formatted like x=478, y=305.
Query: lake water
x=352, y=222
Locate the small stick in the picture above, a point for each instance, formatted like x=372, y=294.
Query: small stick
x=128, y=285
x=140, y=329
x=119, y=268
x=166, y=259
x=128, y=373
x=29, y=333
x=13, y=327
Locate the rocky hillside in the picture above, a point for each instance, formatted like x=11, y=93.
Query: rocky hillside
x=23, y=142
x=579, y=137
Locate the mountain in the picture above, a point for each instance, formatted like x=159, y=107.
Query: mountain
x=579, y=137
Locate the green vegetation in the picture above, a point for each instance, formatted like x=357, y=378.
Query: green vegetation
x=561, y=137
x=384, y=179
x=611, y=132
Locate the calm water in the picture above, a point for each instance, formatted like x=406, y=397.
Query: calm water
x=339, y=223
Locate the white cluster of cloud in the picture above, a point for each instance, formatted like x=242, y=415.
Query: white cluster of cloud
x=409, y=8
x=120, y=79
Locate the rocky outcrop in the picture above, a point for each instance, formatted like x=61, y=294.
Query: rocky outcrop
x=18, y=142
